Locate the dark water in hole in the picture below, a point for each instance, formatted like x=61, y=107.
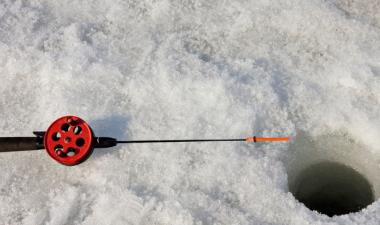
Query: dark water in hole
x=332, y=189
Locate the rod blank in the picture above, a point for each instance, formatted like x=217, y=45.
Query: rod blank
x=180, y=140
x=249, y=139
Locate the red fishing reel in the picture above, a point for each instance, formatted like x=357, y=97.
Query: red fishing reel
x=69, y=140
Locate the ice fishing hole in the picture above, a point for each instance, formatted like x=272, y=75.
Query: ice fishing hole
x=80, y=142
x=332, y=173
x=332, y=189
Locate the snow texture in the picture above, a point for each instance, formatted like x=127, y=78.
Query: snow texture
x=188, y=69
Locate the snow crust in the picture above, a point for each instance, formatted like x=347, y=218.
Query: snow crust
x=187, y=69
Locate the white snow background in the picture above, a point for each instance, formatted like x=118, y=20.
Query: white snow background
x=185, y=69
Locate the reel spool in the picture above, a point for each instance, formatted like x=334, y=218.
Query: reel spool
x=69, y=140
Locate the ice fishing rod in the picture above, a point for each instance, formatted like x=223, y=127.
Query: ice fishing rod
x=70, y=140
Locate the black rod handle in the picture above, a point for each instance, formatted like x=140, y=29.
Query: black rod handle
x=12, y=144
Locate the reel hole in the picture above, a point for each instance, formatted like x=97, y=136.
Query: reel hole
x=56, y=136
x=80, y=142
x=65, y=127
x=58, y=149
x=77, y=130
x=71, y=152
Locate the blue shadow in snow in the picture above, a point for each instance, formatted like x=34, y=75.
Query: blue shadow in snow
x=115, y=126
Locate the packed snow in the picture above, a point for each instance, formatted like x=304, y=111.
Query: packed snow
x=188, y=69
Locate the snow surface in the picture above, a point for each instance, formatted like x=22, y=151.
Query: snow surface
x=188, y=69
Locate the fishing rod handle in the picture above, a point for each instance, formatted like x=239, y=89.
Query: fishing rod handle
x=12, y=144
